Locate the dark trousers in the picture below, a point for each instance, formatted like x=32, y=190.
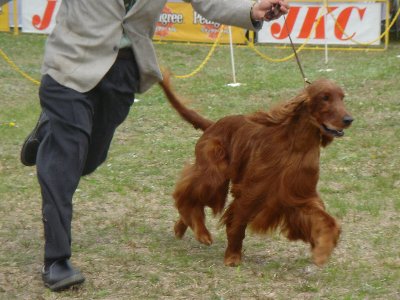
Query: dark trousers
x=75, y=141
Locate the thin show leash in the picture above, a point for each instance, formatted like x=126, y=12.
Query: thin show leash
x=269, y=16
x=295, y=54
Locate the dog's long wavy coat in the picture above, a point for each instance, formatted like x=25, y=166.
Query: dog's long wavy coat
x=271, y=160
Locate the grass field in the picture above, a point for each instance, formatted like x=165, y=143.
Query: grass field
x=123, y=214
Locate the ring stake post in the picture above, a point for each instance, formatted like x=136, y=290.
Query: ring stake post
x=234, y=83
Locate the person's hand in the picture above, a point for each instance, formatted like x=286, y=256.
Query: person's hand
x=267, y=10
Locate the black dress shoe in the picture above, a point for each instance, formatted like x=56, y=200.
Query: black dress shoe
x=31, y=144
x=61, y=275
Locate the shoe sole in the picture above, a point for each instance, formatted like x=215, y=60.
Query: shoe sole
x=66, y=283
x=29, y=146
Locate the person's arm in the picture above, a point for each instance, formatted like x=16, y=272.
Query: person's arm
x=2, y=2
x=240, y=13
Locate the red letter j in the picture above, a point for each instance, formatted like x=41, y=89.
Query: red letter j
x=42, y=24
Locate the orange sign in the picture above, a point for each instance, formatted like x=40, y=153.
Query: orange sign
x=4, y=23
x=179, y=22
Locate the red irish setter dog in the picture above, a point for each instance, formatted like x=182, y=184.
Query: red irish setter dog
x=271, y=161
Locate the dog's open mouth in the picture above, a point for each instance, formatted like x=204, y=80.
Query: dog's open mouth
x=334, y=132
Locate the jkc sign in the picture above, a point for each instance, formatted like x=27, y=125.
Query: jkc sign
x=338, y=24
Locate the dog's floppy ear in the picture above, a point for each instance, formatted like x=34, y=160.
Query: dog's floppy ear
x=301, y=100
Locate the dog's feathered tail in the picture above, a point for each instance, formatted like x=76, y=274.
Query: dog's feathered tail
x=189, y=115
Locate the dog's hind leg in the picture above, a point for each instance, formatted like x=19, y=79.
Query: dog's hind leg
x=191, y=204
x=189, y=200
x=203, y=184
x=193, y=217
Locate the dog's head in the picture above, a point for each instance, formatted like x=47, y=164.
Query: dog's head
x=327, y=108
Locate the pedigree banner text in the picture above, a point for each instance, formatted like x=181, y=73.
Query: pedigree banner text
x=340, y=24
x=179, y=22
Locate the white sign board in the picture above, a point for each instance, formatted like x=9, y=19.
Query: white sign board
x=338, y=24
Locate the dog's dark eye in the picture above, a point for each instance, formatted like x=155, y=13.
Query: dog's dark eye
x=325, y=98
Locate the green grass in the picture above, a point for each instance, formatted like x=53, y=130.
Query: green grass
x=123, y=213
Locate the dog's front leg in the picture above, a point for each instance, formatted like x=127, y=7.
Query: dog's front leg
x=235, y=231
x=325, y=233
x=233, y=253
x=311, y=223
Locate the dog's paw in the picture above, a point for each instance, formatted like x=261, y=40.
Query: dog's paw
x=321, y=259
x=321, y=255
x=233, y=260
x=180, y=229
x=204, y=238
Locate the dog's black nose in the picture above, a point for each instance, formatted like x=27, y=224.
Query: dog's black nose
x=347, y=120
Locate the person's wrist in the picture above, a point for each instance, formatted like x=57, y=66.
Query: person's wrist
x=252, y=16
x=256, y=23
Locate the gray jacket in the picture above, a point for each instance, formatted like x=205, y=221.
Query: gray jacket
x=84, y=43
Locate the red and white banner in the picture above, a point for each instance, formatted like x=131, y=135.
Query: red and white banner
x=38, y=16
x=342, y=23
x=338, y=24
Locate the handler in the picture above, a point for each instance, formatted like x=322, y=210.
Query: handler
x=98, y=56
